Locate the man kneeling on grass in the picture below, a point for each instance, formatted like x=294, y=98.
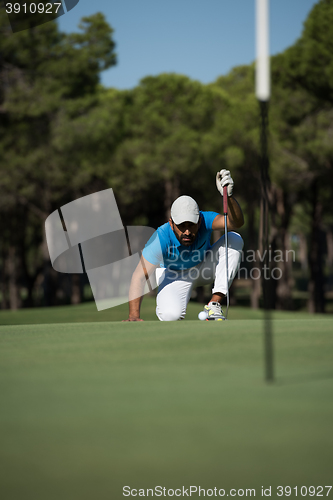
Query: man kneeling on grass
x=182, y=257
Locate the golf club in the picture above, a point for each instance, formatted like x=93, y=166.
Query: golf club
x=225, y=211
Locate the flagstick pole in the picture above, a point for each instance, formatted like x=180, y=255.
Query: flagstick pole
x=263, y=95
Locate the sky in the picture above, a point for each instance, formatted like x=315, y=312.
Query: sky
x=202, y=39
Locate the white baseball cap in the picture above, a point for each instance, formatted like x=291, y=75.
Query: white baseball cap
x=184, y=209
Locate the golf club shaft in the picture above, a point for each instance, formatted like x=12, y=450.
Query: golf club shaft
x=225, y=211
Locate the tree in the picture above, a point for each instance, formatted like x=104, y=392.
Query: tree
x=309, y=60
x=302, y=162
x=44, y=74
x=168, y=119
x=310, y=66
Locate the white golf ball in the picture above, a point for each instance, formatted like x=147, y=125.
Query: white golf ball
x=202, y=315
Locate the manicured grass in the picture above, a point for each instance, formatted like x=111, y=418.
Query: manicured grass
x=87, y=408
x=87, y=312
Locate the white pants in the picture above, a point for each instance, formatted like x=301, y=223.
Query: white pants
x=175, y=287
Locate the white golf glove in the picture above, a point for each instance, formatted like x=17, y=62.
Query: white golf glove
x=223, y=178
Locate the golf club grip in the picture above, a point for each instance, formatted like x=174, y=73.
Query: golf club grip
x=225, y=199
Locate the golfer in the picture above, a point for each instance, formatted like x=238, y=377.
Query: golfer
x=181, y=257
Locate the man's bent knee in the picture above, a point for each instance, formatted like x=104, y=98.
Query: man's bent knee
x=169, y=314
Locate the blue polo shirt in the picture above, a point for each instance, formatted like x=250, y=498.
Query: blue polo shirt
x=164, y=250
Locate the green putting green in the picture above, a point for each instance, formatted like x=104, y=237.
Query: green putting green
x=87, y=408
x=87, y=312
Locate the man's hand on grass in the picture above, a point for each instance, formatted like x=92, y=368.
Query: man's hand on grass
x=132, y=319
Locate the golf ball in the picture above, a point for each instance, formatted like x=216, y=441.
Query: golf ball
x=202, y=315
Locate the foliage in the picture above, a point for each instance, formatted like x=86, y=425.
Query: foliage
x=45, y=76
x=309, y=60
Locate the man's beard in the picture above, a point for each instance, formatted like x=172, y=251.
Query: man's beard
x=189, y=241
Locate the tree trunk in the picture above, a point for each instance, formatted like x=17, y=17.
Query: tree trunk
x=49, y=284
x=255, y=287
x=4, y=282
x=255, y=271
x=281, y=276
x=283, y=269
x=29, y=279
x=76, y=296
x=13, y=286
x=316, y=302
x=303, y=252
x=171, y=193
x=329, y=244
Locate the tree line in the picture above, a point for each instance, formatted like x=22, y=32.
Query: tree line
x=63, y=136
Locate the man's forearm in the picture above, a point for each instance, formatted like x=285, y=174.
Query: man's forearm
x=235, y=214
x=134, y=307
x=135, y=296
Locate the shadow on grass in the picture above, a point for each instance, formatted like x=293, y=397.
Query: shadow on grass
x=304, y=378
